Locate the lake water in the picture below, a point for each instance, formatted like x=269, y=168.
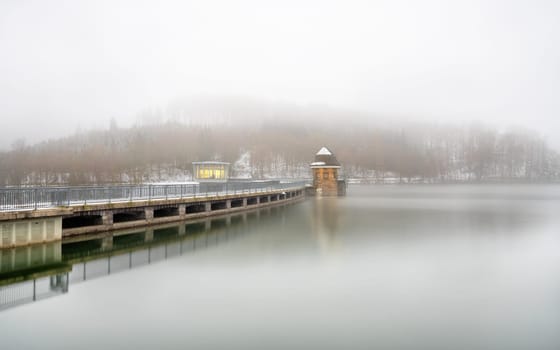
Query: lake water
x=387, y=267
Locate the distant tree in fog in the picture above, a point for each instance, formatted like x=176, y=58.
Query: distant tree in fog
x=158, y=151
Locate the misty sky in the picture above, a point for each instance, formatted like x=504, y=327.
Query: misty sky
x=75, y=64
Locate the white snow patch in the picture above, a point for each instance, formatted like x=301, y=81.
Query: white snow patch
x=242, y=168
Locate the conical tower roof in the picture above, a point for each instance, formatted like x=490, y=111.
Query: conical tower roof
x=325, y=158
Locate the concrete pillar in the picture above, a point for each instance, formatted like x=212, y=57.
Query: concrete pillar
x=228, y=204
x=57, y=234
x=149, y=212
x=182, y=210
x=13, y=240
x=107, y=217
x=244, y=202
x=44, y=231
x=258, y=200
x=29, y=226
x=36, y=231
x=207, y=207
x=7, y=234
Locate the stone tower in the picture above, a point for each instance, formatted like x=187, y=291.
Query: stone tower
x=325, y=174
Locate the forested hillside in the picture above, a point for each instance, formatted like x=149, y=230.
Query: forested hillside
x=163, y=151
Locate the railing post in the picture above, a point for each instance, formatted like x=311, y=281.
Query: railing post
x=165, y=187
x=149, y=193
x=35, y=195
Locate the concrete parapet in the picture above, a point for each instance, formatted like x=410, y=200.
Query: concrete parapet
x=30, y=231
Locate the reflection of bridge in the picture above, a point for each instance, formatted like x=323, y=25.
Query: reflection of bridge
x=36, y=272
x=33, y=215
x=48, y=284
x=32, y=273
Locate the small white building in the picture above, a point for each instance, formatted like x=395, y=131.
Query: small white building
x=210, y=171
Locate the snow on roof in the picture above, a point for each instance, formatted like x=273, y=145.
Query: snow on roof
x=324, y=152
x=317, y=163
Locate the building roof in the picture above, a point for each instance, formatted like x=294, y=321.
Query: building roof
x=325, y=159
x=317, y=163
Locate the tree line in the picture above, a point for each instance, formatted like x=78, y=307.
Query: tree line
x=165, y=150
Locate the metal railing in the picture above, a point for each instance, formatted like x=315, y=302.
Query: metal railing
x=25, y=198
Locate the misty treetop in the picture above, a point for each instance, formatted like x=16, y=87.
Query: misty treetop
x=165, y=151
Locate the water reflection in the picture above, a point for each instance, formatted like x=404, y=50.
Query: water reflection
x=33, y=289
x=325, y=222
x=407, y=267
x=30, y=257
x=36, y=272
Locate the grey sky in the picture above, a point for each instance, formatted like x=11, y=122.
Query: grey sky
x=70, y=64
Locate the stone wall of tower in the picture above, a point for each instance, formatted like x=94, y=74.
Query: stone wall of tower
x=325, y=181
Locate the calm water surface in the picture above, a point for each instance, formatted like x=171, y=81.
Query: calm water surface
x=409, y=267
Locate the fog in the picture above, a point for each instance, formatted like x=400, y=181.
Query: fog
x=68, y=65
